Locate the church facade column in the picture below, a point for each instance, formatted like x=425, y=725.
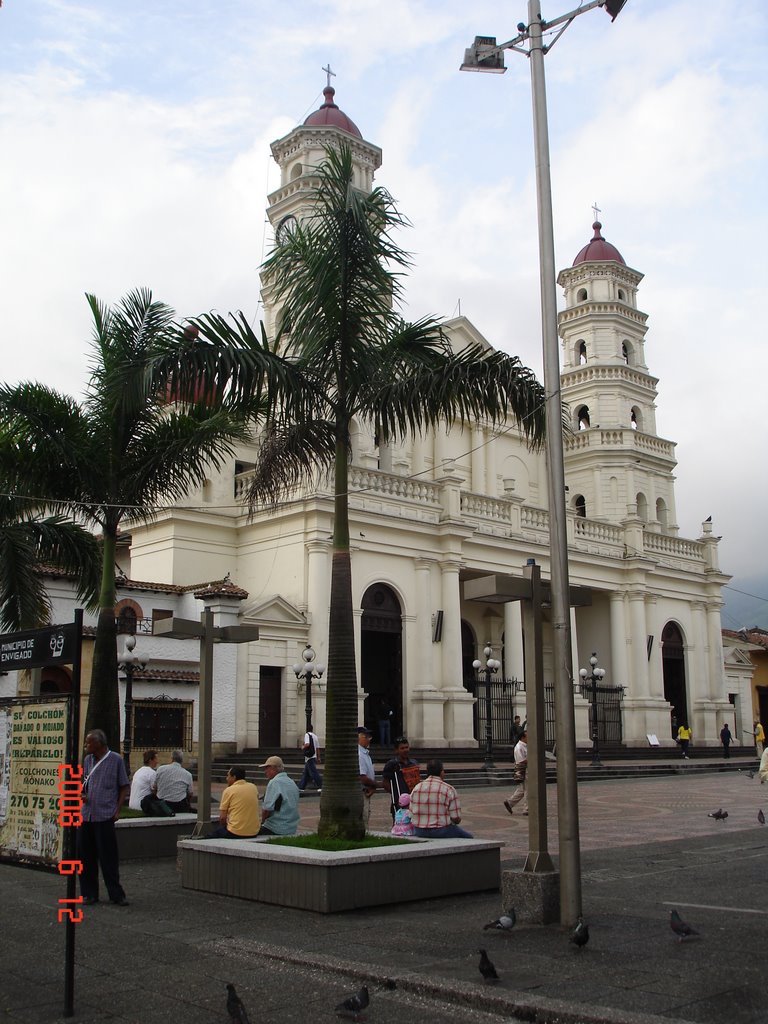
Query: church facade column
x=318, y=596
x=619, y=634
x=514, y=666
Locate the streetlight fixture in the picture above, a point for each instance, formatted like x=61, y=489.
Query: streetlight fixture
x=308, y=671
x=486, y=56
x=593, y=678
x=491, y=666
x=129, y=662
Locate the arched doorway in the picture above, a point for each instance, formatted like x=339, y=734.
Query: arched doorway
x=673, y=662
x=55, y=680
x=381, y=661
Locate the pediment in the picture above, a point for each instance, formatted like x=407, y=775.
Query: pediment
x=463, y=333
x=274, y=610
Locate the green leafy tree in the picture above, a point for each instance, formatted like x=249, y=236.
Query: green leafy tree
x=31, y=541
x=125, y=450
x=348, y=354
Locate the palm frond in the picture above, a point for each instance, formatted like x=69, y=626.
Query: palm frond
x=290, y=454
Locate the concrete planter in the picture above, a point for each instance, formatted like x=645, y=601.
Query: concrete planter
x=253, y=869
x=152, y=837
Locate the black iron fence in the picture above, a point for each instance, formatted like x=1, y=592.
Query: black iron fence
x=162, y=722
x=609, y=698
x=507, y=700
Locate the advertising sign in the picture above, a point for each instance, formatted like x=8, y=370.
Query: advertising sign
x=33, y=734
x=53, y=645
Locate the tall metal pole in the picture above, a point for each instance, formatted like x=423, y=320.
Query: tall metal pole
x=205, y=720
x=565, y=730
x=308, y=677
x=488, y=720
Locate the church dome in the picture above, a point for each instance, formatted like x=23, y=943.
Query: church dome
x=330, y=116
x=598, y=250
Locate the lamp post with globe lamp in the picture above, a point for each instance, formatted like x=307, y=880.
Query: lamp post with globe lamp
x=308, y=671
x=491, y=666
x=593, y=678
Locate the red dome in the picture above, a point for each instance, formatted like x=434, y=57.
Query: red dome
x=329, y=116
x=598, y=250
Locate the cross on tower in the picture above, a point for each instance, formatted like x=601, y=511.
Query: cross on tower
x=328, y=73
x=595, y=208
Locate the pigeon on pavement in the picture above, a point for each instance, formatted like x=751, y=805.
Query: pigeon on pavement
x=352, y=1006
x=235, y=1008
x=505, y=923
x=486, y=968
x=680, y=927
x=718, y=815
x=761, y=816
x=580, y=934
x=750, y=775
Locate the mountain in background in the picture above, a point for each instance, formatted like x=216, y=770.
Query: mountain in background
x=746, y=602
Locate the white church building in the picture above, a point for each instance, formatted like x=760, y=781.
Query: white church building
x=434, y=511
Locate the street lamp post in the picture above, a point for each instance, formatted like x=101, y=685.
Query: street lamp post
x=486, y=55
x=129, y=661
x=308, y=671
x=491, y=666
x=593, y=678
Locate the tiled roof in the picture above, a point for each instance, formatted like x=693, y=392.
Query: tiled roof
x=166, y=675
x=755, y=635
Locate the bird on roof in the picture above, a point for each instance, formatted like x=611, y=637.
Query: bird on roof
x=761, y=816
x=718, y=815
x=580, y=934
x=486, y=968
x=351, y=1008
x=235, y=1009
x=680, y=927
x=505, y=923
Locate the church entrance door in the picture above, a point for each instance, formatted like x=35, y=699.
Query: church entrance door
x=381, y=661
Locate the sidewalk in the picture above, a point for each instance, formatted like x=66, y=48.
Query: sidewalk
x=647, y=845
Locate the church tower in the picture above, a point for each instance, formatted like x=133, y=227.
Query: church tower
x=616, y=466
x=297, y=155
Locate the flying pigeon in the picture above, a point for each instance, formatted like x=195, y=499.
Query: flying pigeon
x=505, y=923
x=680, y=927
x=580, y=934
x=761, y=816
x=352, y=1006
x=718, y=815
x=235, y=1008
x=486, y=968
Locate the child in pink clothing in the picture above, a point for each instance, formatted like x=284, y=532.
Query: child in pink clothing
x=403, y=825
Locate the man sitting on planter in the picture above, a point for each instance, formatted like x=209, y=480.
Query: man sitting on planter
x=435, y=807
x=280, y=810
x=239, y=808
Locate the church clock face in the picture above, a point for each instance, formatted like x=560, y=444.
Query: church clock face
x=286, y=228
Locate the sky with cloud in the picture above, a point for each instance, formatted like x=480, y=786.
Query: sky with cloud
x=135, y=151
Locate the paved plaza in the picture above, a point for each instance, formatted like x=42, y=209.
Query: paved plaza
x=648, y=845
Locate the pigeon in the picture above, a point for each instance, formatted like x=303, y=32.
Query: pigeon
x=580, y=934
x=505, y=923
x=680, y=927
x=761, y=816
x=235, y=1008
x=352, y=1006
x=750, y=775
x=486, y=968
x=718, y=815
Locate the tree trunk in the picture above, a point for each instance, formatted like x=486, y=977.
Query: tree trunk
x=342, y=801
x=104, y=698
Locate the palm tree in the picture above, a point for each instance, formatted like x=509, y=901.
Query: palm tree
x=337, y=278
x=125, y=449
x=29, y=542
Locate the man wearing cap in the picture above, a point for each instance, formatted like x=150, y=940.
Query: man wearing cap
x=280, y=810
x=239, y=809
x=367, y=771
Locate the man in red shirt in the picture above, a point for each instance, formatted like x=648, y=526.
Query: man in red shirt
x=435, y=808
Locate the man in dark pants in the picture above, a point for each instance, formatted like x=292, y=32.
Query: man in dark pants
x=105, y=790
x=401, y=773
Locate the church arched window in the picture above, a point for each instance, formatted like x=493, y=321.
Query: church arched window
x=622, y=296
x=636, y=418
x=580, y=505
x=642, y=506
x=582, y=417
x=661, y=512
x=296, y=171
x=581, y=352
x=626, y=352
x=582, y=295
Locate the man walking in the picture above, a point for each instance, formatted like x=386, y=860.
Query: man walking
x=521, y=773
x=311, y=747
x=105, y=790
x=435, y=807
x=280, y=809
x=725, y=739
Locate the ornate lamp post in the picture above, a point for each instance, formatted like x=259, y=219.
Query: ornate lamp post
x=593, y=678
x=308, y=671
x=129, y=662
x=491, y=666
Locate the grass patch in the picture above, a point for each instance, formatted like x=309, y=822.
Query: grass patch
x=128, y=812
x=316, y=842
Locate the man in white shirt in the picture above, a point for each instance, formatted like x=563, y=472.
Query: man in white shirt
x=174, y=783
x=521, y=766
x=367, y=771
x=311, y=747
x=143, y=783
